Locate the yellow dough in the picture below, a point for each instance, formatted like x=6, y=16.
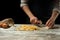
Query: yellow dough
x=27, y=28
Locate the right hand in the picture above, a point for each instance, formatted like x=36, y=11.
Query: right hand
x=34, y=20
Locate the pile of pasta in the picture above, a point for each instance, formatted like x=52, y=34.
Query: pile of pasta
x=27, y=28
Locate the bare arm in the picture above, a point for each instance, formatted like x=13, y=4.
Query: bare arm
x=26, y=9
x=56, y=9
x=55, y=13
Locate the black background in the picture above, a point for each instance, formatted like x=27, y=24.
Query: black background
x=11, y=9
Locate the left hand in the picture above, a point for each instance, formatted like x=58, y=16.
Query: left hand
x=50, y=23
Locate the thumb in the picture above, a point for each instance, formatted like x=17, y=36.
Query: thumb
x=39, y=22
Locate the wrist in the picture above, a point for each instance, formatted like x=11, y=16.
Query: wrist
x=54, y=17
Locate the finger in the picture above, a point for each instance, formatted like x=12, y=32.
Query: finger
x=52, y=25
x=47, y=23
x=39, y=22
x=34, y=21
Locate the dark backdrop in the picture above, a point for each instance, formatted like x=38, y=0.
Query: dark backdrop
x=11, y=9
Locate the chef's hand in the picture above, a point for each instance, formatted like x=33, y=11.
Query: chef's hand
x=34, y=20
x=50, y=23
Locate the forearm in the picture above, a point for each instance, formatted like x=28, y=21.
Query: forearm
x=56, y=9
x=27, y=11
x=55, y=14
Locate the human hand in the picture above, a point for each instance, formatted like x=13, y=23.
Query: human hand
x=50, y=23
x=34, y=20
